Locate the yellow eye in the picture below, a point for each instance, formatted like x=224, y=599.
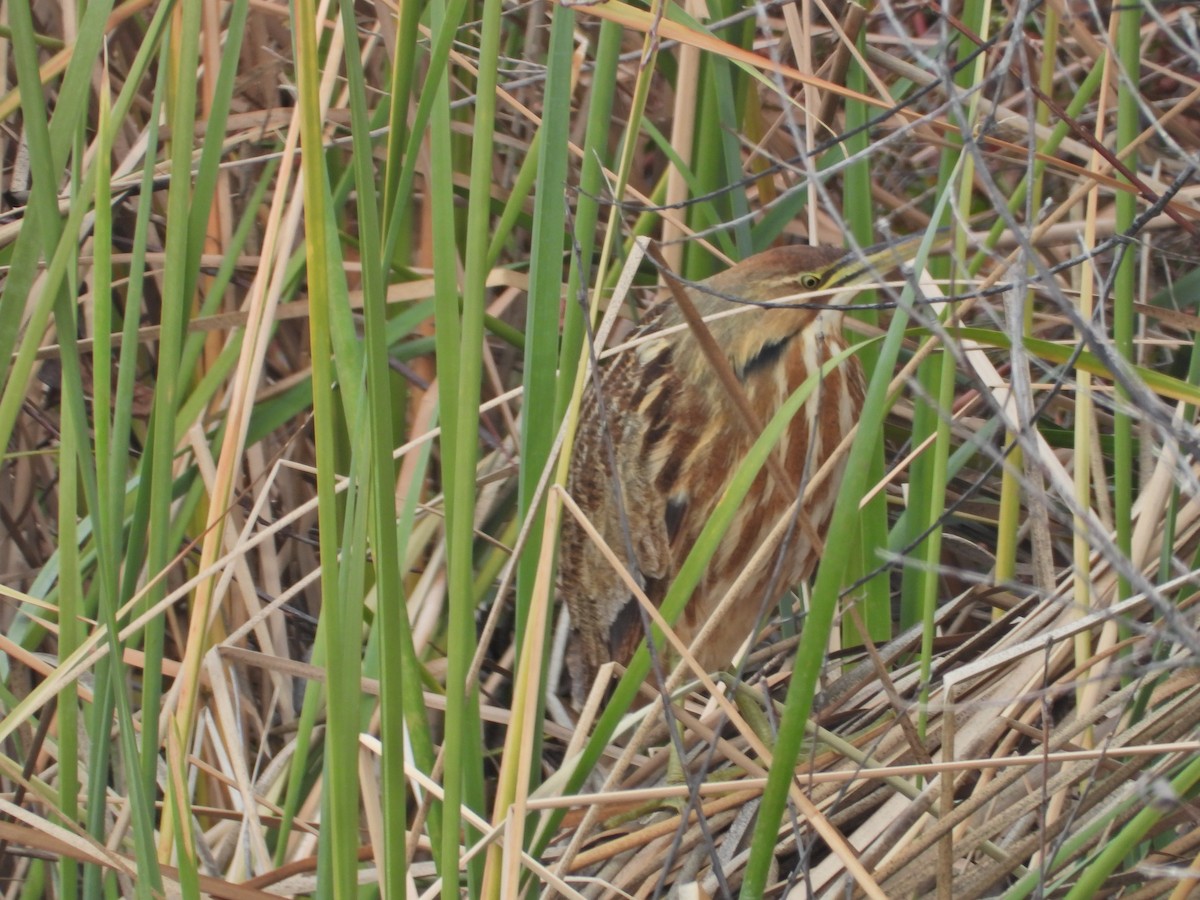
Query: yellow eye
x=809, y=281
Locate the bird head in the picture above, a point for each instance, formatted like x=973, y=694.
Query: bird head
x=801, y=282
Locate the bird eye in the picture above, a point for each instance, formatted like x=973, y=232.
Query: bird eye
x=809, y=281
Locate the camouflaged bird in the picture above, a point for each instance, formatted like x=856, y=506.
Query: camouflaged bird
x=676, y=442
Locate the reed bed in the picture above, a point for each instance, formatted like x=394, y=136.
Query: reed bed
x=294, y=308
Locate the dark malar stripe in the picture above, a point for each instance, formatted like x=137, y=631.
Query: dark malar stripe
x=766, y=357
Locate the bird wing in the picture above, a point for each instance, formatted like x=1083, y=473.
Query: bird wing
x=633, y=511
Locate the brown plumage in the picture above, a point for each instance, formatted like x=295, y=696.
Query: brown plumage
x=677, y=441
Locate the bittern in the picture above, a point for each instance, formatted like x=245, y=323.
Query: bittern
x=671, y=429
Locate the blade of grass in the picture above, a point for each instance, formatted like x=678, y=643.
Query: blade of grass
x=587, y=214
x=455, y=434
x=858, y=209
x=392, y=611
x=339, y=836
x=1129, y=41
x=180, y=57
x=462, y=759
